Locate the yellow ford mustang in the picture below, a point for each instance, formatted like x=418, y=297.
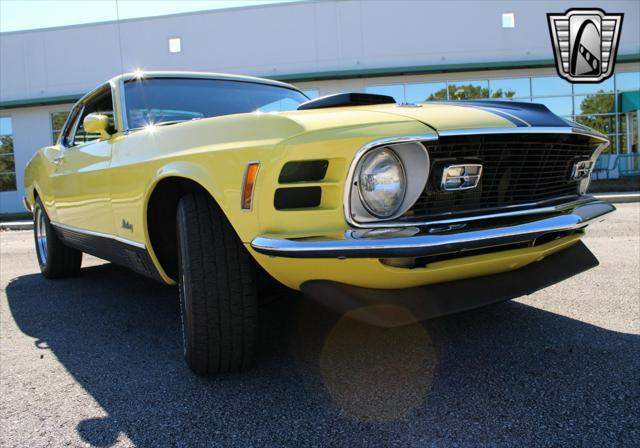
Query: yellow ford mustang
x=210, y=181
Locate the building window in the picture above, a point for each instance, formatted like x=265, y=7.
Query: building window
x=603, y=86
x=510, y=88
x=468, y=90
x=550, y=86
x=57, y=123
x=429, y=91
x=559, y=105
x=7, y=160
x=508, y=20
x=175, y=45
x=607, y=107
x=627, y=81
x=394, y=90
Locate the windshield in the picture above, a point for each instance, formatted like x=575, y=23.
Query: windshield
x=165, y=100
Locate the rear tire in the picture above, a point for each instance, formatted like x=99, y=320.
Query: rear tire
x=217, y=288
x=54, y=258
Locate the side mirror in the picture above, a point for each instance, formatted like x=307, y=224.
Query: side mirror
x=97, y=124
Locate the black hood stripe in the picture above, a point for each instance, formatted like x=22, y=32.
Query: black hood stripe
x=509, y=116
x=519, y=113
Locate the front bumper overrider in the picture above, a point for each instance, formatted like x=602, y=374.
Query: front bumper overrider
x=444, y=237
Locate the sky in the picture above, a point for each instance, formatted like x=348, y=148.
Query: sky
x=17, y=15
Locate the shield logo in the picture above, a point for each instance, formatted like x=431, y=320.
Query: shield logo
x=585, y=43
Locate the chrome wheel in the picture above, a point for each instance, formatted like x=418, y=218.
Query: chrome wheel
x=41, y=235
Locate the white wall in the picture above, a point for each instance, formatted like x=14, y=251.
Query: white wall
x=312, y=36
x=288, y=38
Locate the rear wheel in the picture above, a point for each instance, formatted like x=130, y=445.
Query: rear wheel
x=54, y=258
x=216, y=282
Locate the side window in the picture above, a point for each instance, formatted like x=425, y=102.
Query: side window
x=100, y=104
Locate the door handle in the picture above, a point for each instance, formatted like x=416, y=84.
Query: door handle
x=57, y=160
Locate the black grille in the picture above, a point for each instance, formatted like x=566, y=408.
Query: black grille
x=518, y=170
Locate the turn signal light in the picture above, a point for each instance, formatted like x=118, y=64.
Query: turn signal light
x=250, y=175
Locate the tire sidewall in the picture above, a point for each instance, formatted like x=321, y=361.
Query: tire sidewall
x=184, y=284
x=216, y=289
x=44, y=267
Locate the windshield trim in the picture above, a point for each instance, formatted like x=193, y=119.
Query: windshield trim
x=123, y=82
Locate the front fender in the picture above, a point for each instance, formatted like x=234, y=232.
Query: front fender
x=196, y=173
x=37, y=175
x=186, y=170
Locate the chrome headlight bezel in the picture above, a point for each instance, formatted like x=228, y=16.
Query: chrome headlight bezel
x=413, y=157
x=367, y=163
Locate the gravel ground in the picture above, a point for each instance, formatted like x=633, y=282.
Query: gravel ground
x=96, y=360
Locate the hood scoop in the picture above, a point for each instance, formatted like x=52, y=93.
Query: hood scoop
x=346, y=99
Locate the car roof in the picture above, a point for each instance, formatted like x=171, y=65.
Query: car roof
x=201, y=75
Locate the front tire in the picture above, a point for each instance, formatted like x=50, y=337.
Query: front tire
x=54, y=258
x=216, y=282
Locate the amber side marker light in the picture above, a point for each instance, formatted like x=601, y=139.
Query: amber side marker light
x=250, y=175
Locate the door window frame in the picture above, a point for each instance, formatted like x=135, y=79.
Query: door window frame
x=69, y=129
x=71, y=125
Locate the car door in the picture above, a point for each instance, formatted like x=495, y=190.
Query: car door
x=81, y=178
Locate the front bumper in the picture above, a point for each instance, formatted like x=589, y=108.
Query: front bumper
x=396, y=307
x=25, y=204
x=496, y=230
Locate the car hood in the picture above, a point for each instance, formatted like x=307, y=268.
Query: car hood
x=440, y=116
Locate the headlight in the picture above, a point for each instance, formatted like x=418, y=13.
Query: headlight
x=381, y=182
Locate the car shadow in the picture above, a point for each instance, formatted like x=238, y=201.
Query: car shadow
x=505, y=374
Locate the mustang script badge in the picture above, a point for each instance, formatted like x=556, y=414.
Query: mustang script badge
x=585, y=43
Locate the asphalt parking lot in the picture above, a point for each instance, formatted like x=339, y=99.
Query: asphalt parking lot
x=96, y=360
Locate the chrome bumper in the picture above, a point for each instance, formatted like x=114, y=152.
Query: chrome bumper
x=25, y=204
x=566, y=217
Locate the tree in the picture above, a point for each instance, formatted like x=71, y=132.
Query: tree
x=468, y=92
x=598, y=103
x=503, y=93
x=7, y=164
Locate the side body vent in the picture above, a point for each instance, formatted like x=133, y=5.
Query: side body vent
x=303, y=171
x=293, y=198
x=300, y=189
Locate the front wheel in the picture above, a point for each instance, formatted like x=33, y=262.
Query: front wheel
x=54, y=258
x=216, y=282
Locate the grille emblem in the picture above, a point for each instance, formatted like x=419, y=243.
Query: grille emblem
x=582, y=169
x=461, y=177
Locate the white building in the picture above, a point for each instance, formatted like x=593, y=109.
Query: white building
x=413, y=50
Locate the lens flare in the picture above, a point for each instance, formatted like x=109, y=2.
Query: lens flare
x=150, y=127
x=378, y=374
